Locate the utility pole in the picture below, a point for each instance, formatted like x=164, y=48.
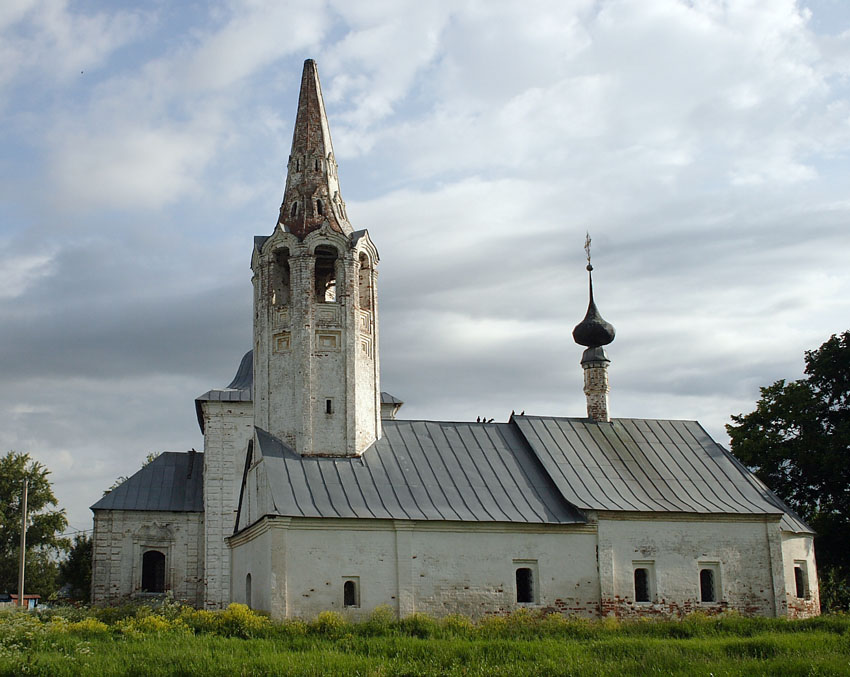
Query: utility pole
x=23, y=544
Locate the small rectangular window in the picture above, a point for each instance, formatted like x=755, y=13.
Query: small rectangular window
x=525, y=576
x=329, y=406
x=801, y=580
x=644, y=581
x=706, y=586
x=709, y=583
x=524, y=585
x=641, y=585
x=351, y=592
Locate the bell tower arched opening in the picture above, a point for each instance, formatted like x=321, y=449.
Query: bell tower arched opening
x=325, y=274
x=364, y=283
x=280, y=278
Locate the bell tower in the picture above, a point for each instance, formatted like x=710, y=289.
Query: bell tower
x=316, y=367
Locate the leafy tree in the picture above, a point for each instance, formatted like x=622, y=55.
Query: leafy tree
x=76, y=569
x=44, y=526
x=798, y=441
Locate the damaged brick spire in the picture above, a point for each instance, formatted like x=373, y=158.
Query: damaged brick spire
x=312, y=194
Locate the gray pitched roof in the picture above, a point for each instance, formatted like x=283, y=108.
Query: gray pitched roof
x=647, y=465
x=532, y=470
x=419, y=470
x=240, y=389
x=172, y=481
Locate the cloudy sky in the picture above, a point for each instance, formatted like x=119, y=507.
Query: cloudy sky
x=703, y=144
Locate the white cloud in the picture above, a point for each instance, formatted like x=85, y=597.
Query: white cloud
x=57, y=42
x=20, y=271
x=129, y=167
x=147, y=136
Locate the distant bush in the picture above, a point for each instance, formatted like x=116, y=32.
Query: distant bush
x=418, y=625
x=150, y=624
x=456, y=625
x=239, y=620
x=328, y=624
x=381, y=622
x=834, y=585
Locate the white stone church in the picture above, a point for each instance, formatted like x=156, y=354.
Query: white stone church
x=311, y=494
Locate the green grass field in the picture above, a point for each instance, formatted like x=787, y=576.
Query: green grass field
x=181, y=641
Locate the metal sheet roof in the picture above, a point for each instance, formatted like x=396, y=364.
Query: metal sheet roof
x=172, y=481
x=240, y=389
x=647, y=465
x=419, y=470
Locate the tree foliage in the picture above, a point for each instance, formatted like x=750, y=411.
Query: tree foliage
x=75, y=570
x=44, y=526
x=798, y=441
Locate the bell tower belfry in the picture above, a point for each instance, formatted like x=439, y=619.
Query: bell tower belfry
x=316, y=367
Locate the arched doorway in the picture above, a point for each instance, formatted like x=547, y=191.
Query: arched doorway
x=153, y=571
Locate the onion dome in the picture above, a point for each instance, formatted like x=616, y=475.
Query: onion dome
x=593, y=331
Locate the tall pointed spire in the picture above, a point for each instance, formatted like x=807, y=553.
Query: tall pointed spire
x=594, y=333
x=312, y=193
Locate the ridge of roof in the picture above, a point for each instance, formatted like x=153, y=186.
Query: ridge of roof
x=419, y=470
x=646, y=465
x=172, y=482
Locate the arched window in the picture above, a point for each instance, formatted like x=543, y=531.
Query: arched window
x=524, y=586
x=248, y=590
x=365, y=283
x=325, y=275
x=153, y=571
x=319, y=208
x=280, y=278
x=316, y=165
x=293, y=210
x=349, y=594
x=641, y=585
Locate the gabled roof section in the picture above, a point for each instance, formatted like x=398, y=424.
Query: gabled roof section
x=173, y=481
x=647, y=466
x=240, y=389
x=386, y=398
x=419, y=470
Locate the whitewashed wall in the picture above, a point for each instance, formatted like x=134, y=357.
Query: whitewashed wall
x=437, y=568
x=746, y=551
x=800, y=549
x=122, y=536
x=298, y=566
x=227, y=428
